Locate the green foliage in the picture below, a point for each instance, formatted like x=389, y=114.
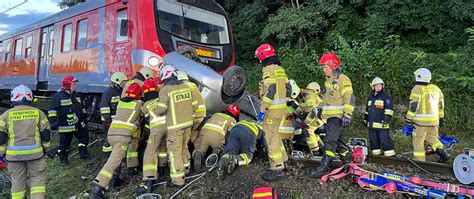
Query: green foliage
x=69, y=3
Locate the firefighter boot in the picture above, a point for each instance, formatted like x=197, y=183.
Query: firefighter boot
x=273, y=175
x=145, y=187
x=116, y=181
x=97, y=192
x=83, y=154
x=227, y=164
x=197, y=158
x=63, y=157
x=443, y=155
x=324, y=168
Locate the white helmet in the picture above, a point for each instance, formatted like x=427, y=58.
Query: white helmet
x=147, y=72
x=423, y=75
x=295, y=90
x=314, y=86
x=376, y=80
x=20, y=92
x=118, y=77
x=182, y=75
x=167, y=72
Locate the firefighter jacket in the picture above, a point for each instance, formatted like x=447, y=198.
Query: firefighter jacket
x=24, y=133
x=179, y=104
x=108, y=103
x=139, y=79
x=338, y=99
x=127, y=119
x=201, y=105
x=309, y=100
x=156, y=122
x=66, y=112
x=379, y=110
x=220, y=123
x=274, y=91
x=426, y=105
x=252, y=128
x=287, y=124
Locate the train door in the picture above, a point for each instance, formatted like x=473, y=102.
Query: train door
x=121, y=47
x=46, y=53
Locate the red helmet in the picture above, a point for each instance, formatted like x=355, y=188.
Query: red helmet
x=158, y=80
x=234, y=110
x=133, y=91
x=265, y=51
x=68, y=81
x=149, y=85
x=331, y=60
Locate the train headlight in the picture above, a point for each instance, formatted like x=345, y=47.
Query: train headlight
x=154, y=61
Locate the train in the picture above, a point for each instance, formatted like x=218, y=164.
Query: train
x=96, y=38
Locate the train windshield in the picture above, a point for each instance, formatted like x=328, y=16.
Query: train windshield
x=192, y=23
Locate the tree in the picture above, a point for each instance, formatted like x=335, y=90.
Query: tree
x=69, y=3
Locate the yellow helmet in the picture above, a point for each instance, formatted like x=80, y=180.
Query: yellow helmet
x=314, y=86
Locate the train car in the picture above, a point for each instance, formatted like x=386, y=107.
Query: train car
x=96, y=38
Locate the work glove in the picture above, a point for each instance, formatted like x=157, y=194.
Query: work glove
x=441, y=122
x=260, y=117
x=346, y=121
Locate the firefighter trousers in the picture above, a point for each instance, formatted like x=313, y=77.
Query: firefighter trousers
x=152, y=155
x=176, y=144
x=312, y=139
x=34, y=172
x=332, y=142
x=276, y=150
x=422, y=134
x=185, y=152
x=65, y=138
x=195, y=131
x=106, y=148
x=208, y=138
x=132, y=153
x=119, y=151
x=242, y=144
x=380, y=141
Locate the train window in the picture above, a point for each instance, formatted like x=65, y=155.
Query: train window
x=29, y=40
x=120, y=16
x=81, y=39
x=67, y=36
x=51, y=42
x=43, y=44
x=8, y=52
x=18, y=47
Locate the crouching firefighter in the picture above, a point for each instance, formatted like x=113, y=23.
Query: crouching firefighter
x=179, y=104
x=67, y=115
x=157, y=137
x=240, y=146
x=24, y=137
x=213, y=133
x=378, y=112
x=119, y=136
x=108, y=108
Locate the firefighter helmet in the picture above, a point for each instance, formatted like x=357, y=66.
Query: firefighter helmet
x=147, y=72
x=133, y=91
x=234, y=109
x=423, y=75
x=149, y=85
x=68, y=81
x=376, y=80
x=314, y=86
x=21, y=92
x=295, y=89
x=330, y=59
x=182, y=75
x=167, y=72
x=265, y=51
x=118, y=78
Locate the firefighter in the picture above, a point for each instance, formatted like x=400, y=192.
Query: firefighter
x=108, y=107
x=378, y=112
x=426, y=113
x=157, y=124
x=311, y=107
x=24, y=139
x=67, y=115
x=240, y=146
x=178, y=103
x=337, y=107
x=198, y=115
x=274, y=91
x=120, y=134
x=213, y=133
